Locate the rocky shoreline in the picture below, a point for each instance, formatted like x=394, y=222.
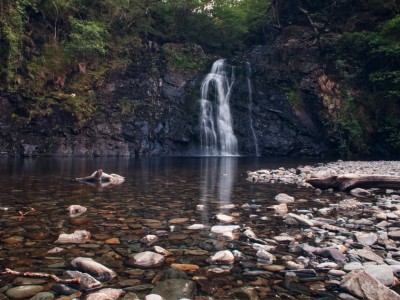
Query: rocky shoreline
x=361, y=232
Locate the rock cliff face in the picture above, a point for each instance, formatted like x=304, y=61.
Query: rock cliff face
x=151, y=107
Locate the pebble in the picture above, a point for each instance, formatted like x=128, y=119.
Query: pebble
x=24, y=291
x=148, y=259
x=284, y=198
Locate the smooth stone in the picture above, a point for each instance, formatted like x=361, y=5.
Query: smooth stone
x=223, y=257
x=76, y=210
x=24, y=291
x=94, y=268
x=337, y=273
x=87, y=282
x=149, y=239
x=112, y=241
x=29, y=281
x=366, y=238
x=64, y=289
x=284, y=198
x=351, y=266
x=283, y=238
x=383, y=273
x=363, y=285
x=185, y=267
x=225, y=218
x=274, y=268
x=178, y=220
x=13, y=240
x=359, y=192
x=345, y=296
x=153, y=297
x=197, y=227
x=175, y=289
x=43, y=296
x=265, y=257
x=226, y=231
x=161, y=250
x=196, y=252
x=293, y=219
x=78, y=237
x=333, y=253
x=105, y=294
x=394, y=234
x=368, y=254
x=148, y=259
x=280, y=208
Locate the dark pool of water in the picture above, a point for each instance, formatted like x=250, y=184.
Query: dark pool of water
x=158, y=189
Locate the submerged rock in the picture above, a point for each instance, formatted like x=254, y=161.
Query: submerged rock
x=147, y=259
x=87, y=282
x=175, y=289
x=78, y=237
x=105, y=294
x=94, y=268
x=227, y=231
x=24, y=291
x=223, y=257
x=76, y=210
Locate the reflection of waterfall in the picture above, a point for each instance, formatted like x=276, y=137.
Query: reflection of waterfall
x=217, y=137
x=217, y=180
x=250, y=106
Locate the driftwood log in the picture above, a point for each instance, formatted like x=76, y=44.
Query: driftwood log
x=347, y=182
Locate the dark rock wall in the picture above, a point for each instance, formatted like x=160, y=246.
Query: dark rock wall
x=151, y=108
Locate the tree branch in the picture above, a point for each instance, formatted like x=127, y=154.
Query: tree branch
x=42, y=275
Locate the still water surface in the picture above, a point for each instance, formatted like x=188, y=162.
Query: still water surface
x=157, y=189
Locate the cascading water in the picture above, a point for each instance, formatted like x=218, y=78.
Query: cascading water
x=250, y=106
x=217, y=136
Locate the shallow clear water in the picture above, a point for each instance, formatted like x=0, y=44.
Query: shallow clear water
x=156, y=191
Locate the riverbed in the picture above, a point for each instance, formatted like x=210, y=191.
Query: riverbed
x=165, y=198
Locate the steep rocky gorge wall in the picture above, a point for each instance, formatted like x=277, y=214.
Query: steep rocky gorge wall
x=151, y=106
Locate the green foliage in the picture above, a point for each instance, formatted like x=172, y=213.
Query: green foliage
x=87, y=40
x=369, y=62
x=350, y=128
x=391, y=129
x=292, y=95
x=12, y=23
x=188, y=57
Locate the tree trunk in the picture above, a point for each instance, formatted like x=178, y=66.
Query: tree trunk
x=349, y=181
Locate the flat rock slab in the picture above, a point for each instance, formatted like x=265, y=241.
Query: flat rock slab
x=369, y=255
x=383, y=273
x=359, y=283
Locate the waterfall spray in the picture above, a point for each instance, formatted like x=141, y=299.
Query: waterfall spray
x=217, y=136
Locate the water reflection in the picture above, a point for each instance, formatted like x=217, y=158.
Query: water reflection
x=217, y=177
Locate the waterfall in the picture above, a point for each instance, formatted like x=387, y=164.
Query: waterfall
x=250, y=106
x=217, y=136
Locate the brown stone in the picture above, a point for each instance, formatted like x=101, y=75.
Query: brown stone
x=363, y=285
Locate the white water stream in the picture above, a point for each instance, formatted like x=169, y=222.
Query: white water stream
x=250, y=106
x=217, y=136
